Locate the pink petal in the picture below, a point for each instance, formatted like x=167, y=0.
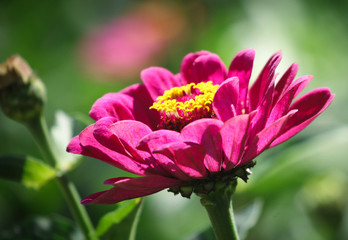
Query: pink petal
x=241, y=67
x=74, y=146
x=205, y=133
x=187, y=63
x=264, y=138
x=263, y=111
x=130, y=132
x=132, y=103
x=234, y=135
x=260, y=86
x=207, y=68
x=106, y=137
x=309, y=106
x=189, y=157
x=299, y=84
x=225, y=97
x=90, y=147
x=285, y=81
x=157, y=80
x=128, y=188
x=159, y=138
x=282, y=106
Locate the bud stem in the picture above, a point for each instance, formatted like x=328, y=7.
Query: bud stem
x=219, y=208
x=39, y=130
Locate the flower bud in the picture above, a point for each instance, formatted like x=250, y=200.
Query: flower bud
x=22, y=94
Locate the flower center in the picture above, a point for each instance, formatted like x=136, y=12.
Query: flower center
x=179, y=106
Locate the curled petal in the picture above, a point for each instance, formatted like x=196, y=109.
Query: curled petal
x=157, y=80
x=159, y=138
x=241, y=67
x=282, y=106
x=74, y=146
x=260, y=86
x=187, y=65
x=265, y=137
x=309, y=106
x=106, y=137
x=130, y=131
x=127, y=188
x=207, y=67
x=263, y=111
x=132, y=103
x=226, y=99
x=205, y=132
x=189, y=157
x=234, y=135
x=90, y=147
x=285, y=81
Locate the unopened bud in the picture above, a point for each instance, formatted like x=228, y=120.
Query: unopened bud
x=22, y=94
x=14, y=70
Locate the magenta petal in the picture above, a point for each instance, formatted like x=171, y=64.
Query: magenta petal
x=208, y=68
x=132, y=103
x=260, y=86
x=241, y=67
x=309, y=106
x=106, y=137
x=157, y=80
x=226, y=98
x=92, y=148
x=263, y=111
x=234, y=135
x=189, y=157
x=265, y=137
x=285, y=81
x=187, y=63
x=74, y=146
x=159, y=138
x=128, y=188
x=282, y=106
x=130, y=132
x=205, y=132
x=299, y=84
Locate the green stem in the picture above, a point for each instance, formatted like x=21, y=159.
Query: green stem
x=219, y=208
x=39, y=130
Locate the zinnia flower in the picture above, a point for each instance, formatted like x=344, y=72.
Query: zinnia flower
x=191, y=131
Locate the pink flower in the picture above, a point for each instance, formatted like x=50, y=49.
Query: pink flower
x=131, y=41
x=201, y=126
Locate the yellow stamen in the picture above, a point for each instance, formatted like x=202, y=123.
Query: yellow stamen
x=186, y=103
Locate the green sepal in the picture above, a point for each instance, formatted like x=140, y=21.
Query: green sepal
x=122, y=222
x=27, y=170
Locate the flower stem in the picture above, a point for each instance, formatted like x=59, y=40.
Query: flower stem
x=39, y=130
x=219, y=208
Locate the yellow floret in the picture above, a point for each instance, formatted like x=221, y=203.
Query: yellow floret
x=167, y=102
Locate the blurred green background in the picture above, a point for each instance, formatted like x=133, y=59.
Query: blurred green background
x=84, y=49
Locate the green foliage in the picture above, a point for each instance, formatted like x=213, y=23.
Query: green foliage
x=27, y=170
x=44, y=228
x=122, y=222
x=62, y=133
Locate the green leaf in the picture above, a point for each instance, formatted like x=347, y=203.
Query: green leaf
x=248, y=217
x=27, y=170
x=122, y=222
x=54, y=227
x=296, y=164
x=62, y=133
